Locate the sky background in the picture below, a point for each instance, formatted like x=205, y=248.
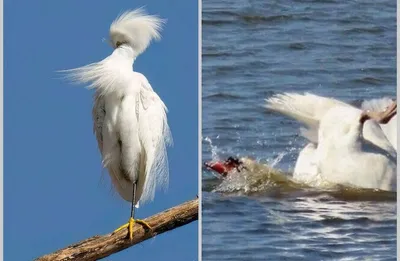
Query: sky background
x=55, y=193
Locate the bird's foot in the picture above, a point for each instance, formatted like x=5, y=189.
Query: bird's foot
x=130, y=225
x=382, y=117
x=143, y=223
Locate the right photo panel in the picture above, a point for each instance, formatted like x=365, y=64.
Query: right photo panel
x=299, y=130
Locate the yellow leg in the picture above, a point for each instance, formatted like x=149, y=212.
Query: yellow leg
x=130, y=225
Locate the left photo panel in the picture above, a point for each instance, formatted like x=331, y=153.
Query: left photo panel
x=101, y=130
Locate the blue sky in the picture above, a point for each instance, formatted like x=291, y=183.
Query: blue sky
x=55, y=193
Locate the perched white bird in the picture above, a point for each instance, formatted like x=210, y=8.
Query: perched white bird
x=130, y=121
x=347, y=145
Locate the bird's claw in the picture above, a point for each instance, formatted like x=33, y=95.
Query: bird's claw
x=121, y=227
x=130, y=225
x=143, y=223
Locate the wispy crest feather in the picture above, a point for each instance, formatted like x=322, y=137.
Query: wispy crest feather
x=133, y=28
x=136, y=28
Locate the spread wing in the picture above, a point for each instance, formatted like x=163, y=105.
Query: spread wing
x=98, y=114
x=155, y=136
x=306, y=108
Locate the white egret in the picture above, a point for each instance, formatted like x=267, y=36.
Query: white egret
x=347, y=145
x=130, y=121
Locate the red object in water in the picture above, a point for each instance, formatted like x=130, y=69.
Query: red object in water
x=218, y=167
x=224, y=167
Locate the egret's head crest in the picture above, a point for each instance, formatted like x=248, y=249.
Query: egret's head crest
x=135, y=28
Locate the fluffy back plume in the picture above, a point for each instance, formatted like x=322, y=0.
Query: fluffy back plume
x=135, y=28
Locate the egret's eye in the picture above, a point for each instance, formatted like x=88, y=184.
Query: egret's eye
x=118, y=43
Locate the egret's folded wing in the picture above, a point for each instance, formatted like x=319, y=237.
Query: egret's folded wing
x=98, y=114
x=155, y=135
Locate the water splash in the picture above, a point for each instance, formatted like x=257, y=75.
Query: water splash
x=277, y=159
x=213, y=148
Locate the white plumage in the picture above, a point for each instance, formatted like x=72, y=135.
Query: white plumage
x=342, y=148
x=130, y=121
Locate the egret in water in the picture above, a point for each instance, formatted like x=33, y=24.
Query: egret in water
x=346, y=144
x=130, y=121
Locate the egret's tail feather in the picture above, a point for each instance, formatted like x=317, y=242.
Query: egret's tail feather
x=136, y=28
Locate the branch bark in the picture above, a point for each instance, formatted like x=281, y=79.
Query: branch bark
x=98, y=247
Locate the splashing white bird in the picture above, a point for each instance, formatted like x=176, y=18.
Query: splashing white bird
x=130, y=121
x=347, y=145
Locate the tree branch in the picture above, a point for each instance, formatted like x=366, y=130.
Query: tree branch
x=98, y=247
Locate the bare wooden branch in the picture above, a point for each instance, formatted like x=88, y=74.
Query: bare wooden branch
x=98, y=247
